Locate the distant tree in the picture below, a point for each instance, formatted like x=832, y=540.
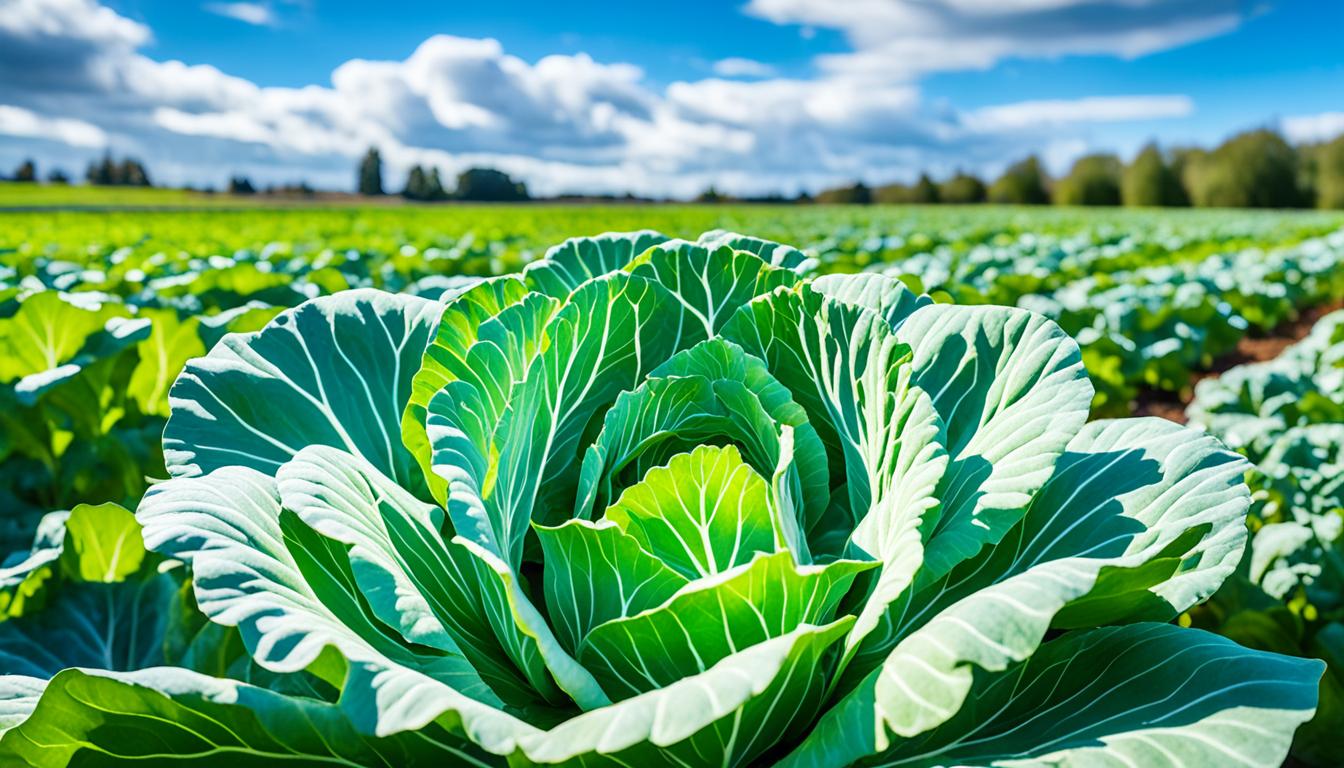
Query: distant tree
x=489, y=185
x=893, y=194
x=415, y=184
x=290, y=189
x=1023, y=183
x=710, y=195
x=771, y=198
x=371, y=173
x=1256, y=169
x=804, y=198
x=1330, y=174
x=100, y=172
x=857, y=193
x=1150, y=181
x=924, y=191
x=241, y=185
x=434, y=186
x=57, y=176
x=132, y=173
x=129, y=172
x=1188, y=163
x=27, y=171
x=1093, y=180
x=962, y=189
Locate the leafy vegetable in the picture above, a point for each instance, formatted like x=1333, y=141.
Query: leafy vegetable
x=654, y=502
x=1287, y=415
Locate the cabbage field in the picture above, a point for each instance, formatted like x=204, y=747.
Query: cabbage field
x=637, y=485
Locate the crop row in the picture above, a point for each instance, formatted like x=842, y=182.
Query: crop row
x=1287, y=416
x=90, y=342
x=649, y=502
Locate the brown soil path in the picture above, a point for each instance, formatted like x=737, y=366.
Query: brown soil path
x=1253, y=348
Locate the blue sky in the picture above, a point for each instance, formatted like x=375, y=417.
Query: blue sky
x=670, y=41
x=659, y=98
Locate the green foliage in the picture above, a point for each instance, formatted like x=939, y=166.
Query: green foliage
x=1257, y=169
x=27, y=171
x=1287, y=415
x=856, y=194
x=424, y=185
x=241, y=185
x=1330, y=174
x=963, y=189
x=108, y=172
x=922, y=192
x=369, y=180
x=1093, y=180
x=488, y=185
x=84, y=383
x=1150, y=181
x=652, y=502
x=1022, y=183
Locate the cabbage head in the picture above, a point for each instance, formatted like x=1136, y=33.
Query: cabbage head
x=662, y=503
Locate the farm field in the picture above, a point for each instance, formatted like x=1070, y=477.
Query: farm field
x=101, y=314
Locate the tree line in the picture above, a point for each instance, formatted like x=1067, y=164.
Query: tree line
x=1255, y=169
x=425, y=185
x=105, y=172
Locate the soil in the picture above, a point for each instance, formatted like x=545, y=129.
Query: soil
x=1254, y=347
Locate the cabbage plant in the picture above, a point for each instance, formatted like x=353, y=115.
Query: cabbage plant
x=662, y=503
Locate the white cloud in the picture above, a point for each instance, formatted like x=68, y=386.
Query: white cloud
x=256, y=14
x=1322, y=127
x=562, y=123
x=78, y=20
x=16, y=121
x=735, y=66
x=1096, y=109
x=909, y=38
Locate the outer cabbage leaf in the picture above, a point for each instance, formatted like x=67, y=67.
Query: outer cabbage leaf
x=1143, y=694
x=335, y=371
x=173, y=715
x=580, y=259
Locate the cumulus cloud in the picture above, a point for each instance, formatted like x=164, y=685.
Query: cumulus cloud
x=1322, y=127
x=256, y=14
x=909, y=38
x=1096, y=109
x=74, y=72
x=16, y=121
x=735, y=66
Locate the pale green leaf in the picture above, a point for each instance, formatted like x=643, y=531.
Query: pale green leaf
x=173, y=716
x=1139, y=512
x=711, y=392
x=732, y=713
x=595, y=573
x=171, y=343
x=884, y=295
x=414, y=581
x=604, y=341
x=334, y=371
x=291, y=593
x=704, y=513
x=445, y=359
x=714, y=618
x=1143, y=694
x=710, y=282
x=102, y=543
x=580, y=259
x=774, y=254
x=1011, y=391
